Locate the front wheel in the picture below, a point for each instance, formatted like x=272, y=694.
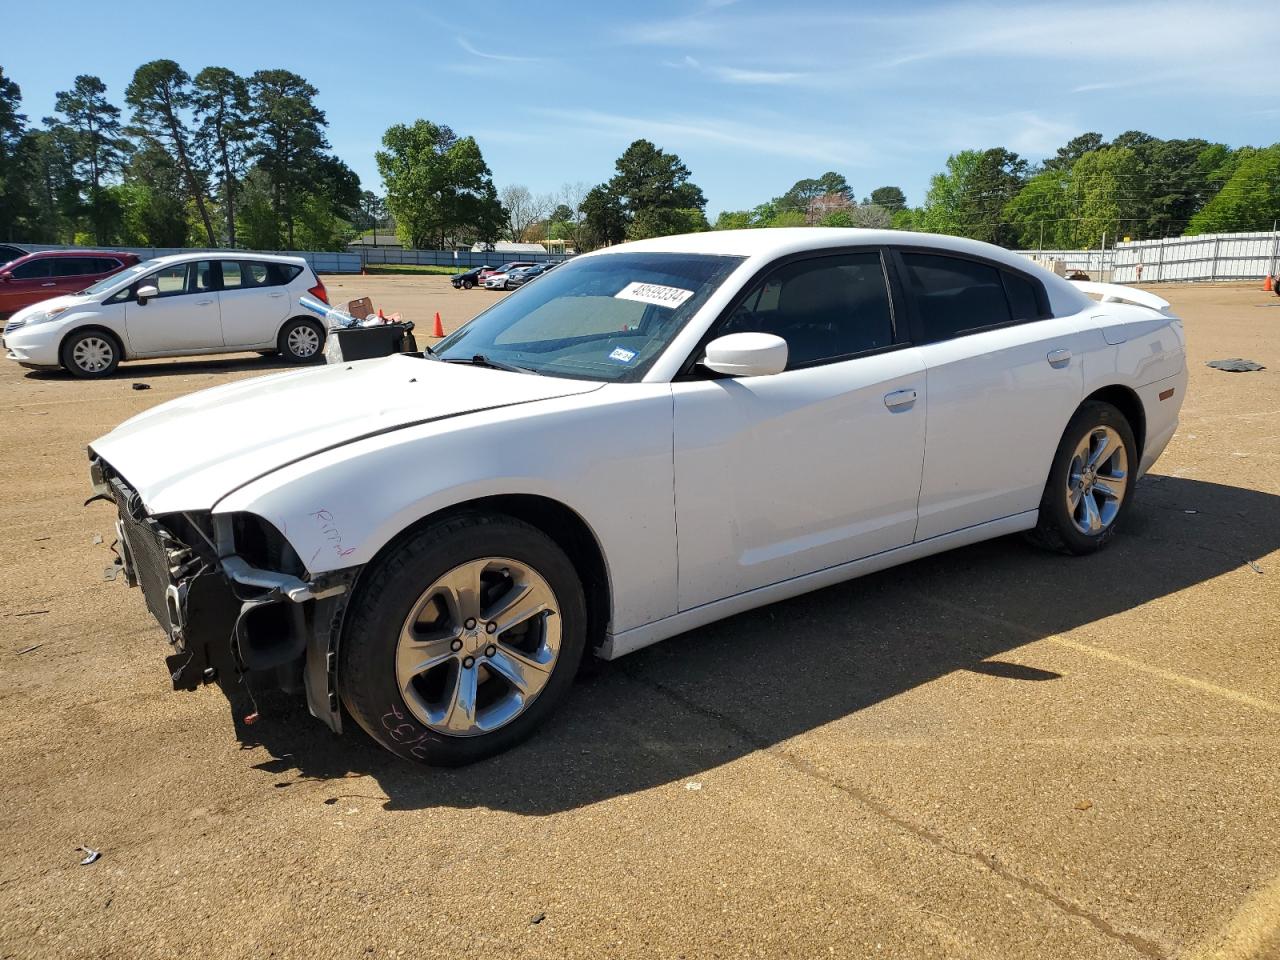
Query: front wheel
x=467, y=284
x=1090, y=483
x=300, y=340
x=91, y=354
x=463, y=639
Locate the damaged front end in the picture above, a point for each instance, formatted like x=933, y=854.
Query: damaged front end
x=237, y=603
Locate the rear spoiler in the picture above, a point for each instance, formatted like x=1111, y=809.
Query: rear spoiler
x=1115, y=292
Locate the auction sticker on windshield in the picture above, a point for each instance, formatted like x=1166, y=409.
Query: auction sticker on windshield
x=654, y=293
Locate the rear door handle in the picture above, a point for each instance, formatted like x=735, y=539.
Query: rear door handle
x=274, y=295
x=203, y=303
x=1058, y=358
x=899, y=398
x=51, y=284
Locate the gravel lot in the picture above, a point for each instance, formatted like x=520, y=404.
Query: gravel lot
x=991, y=753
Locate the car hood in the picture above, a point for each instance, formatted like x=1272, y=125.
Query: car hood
x=66, y=300
x=191, y=452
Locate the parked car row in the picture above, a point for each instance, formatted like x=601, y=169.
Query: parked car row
x=179, y=305
x=495, y=278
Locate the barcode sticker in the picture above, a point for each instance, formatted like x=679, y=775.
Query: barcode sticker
x=654, y=293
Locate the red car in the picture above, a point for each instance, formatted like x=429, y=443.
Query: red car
x=488, y=272
x=51, y=273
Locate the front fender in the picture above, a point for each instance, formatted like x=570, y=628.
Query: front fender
x=607, y=456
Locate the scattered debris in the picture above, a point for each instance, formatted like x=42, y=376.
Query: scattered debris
x=30, y=613
x=331, y=801
x=1083, y=804
x=97, y=538
x=693, y=785
x=1254, y=566
x=110, y=573
x=37, y=646
x=537, y=918
x=142, y=386
x=42, y=539
x=90, y=855
x=1235, y=365
x=1190, y=511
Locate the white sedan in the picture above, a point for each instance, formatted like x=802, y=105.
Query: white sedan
x=189, y=303
x=651, y=438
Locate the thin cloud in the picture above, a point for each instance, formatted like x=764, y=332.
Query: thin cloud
x=803, y=145
x=502, y=57
x=742, y=77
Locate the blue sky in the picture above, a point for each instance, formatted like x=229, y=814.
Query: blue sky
x=753, y=96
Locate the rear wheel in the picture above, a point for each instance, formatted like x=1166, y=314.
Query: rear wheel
x=1090, y=483
x=91, y=354
x=463, y=640
x=301, y=340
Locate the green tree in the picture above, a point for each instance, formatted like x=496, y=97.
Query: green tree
x=160, y=95
x=969, y=197
x=1074, y=149
x=891, y=198
x=99, y=148
x=665, y=221
x=1100, y=188
x=257, y=225
x=153, y=209
x=1040, y=215
x=15, y=169
x=224, y=132
x=439, y=189
x=804, y=192
x=839, y=218
x=734, y=220
x=290, y=137
x=1250, y=198
x=604, y=221
x=788, y=218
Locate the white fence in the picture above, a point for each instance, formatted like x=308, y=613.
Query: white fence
x=462, y=259
x=1212, y=256
x=321, y=262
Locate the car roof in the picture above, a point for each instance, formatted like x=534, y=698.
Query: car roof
x=229, y=255
x=768, y=243
x=46, y=254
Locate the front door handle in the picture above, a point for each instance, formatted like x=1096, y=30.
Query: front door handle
x=1058, y=358
x=276, y=295
x=899, y=398
x=50, y=284
x=203, y=303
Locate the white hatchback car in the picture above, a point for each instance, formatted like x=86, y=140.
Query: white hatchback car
x=190, y=303
x=650, y=438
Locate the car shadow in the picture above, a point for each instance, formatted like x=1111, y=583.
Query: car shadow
x=144, y=370
x=707, y=697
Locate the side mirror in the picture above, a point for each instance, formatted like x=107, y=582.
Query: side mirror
x=146, y=293
x=747, y=355
x=6, y=274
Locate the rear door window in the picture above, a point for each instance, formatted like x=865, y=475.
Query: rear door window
x=954, y=296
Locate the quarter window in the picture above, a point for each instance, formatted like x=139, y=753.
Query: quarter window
x=825, y=308
x=955, y=296
x=1022, y=297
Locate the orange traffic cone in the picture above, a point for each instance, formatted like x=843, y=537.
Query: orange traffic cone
x=380, y=316
x=439, y=327
x=1266, y=284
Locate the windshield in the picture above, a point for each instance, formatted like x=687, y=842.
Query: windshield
x=125, y=276
x=605, y=317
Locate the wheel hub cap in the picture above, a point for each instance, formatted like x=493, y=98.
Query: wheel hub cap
x=92, y=354
x=478, y=646
x=1097, y=480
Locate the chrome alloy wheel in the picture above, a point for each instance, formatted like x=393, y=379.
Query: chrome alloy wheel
x=1097, y=480
x=478, y=646
x=303, y=341
x=93, y=354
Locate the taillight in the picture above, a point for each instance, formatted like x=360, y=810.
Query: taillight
x=319, y=292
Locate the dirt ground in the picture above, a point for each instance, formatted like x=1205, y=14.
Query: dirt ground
x=990, y=753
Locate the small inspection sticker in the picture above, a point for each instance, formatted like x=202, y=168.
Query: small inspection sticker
x=622, y=355
x=654, y=293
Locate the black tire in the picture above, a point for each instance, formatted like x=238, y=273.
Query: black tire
x=468, y=284
x=91, y=354
x=1056, y=528
x=389, y=591
x=296, y=345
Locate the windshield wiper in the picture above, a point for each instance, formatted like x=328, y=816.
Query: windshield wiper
x=480, y=360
